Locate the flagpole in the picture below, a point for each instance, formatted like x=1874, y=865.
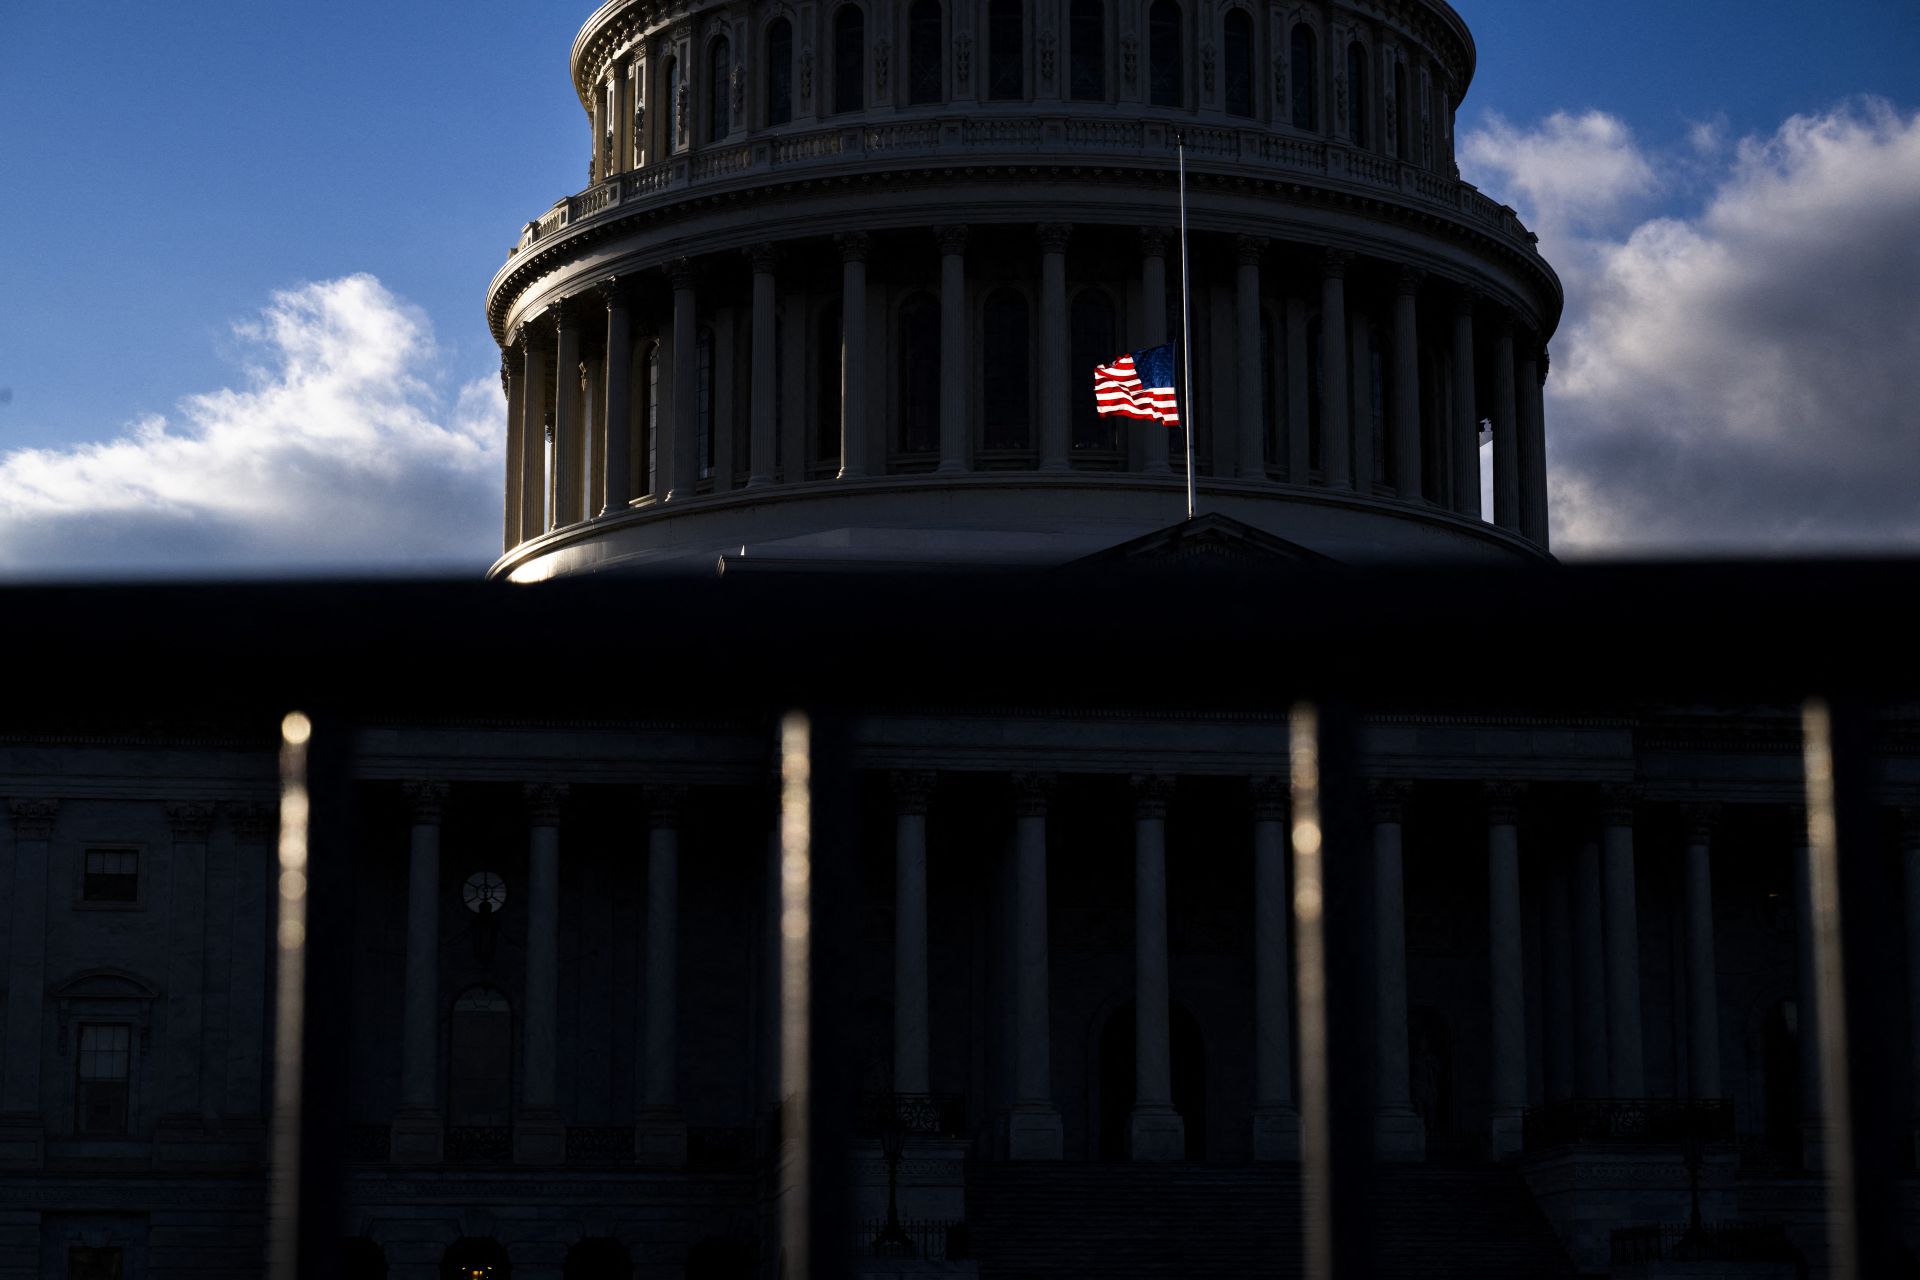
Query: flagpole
x=1186, y=319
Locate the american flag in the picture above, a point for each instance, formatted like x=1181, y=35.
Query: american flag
x=1138, y=385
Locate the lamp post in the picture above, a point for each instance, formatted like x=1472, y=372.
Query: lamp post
x=893, y=1241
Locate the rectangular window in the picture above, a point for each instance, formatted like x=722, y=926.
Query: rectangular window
x=105, y=1065
x=88, y=1262
x=111, y=875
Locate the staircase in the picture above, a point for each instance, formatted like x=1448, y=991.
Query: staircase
x=1046, y=1221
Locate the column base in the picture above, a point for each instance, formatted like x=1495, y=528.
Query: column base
x=1034, y=1132
x=1399, y=1136
x=951, y=469
x=1506, y=1136
x=660, y=1139
x=1276, y=1134
x=23, y=1140
x=418, y=1137
x=1156, y=1134
x=1156, y=469
x=539, y=1137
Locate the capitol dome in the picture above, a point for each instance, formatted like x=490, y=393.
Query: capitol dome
x=995, y=184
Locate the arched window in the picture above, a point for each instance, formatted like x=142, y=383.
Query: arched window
x=719, y=90
x=926, y=51
x=1087, y=50
x=1306, y=79
x=1006, y=49
x=1092, y=327
x=651, y=418
x=1236, y=47
x=919, y=375
x=849, y=58
x=703, y=426
x=1007, y=352
x=826, y=391
x=1357, y=94
x=1165, y=82
x=779, y=72
x=676, y=124
x=476, y=1258
x=480, y=1060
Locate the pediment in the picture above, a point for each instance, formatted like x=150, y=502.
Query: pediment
x=1207, y=540
x=104, y=984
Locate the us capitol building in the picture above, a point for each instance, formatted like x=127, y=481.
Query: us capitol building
x=830, y=299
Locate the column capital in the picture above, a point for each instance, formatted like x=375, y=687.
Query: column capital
x=912, y=789
x=1151, y=791
x=253, y=822
x=1503, y=325
x=190, y=821
x=1334, y=263
x=1546, y=359
x=1503, y=800
x=33, y=819
x=543, y=802
x=517, y=340
x=1031, y=791
x=1270, y=797
x=1153, y=242
x=562, y=314
x=615, y=292
x=1054, y=236
x=1699, y=820
x=664, y=804
x=1408, y=278
x=1387, y=798
x=1466, y=299
x=763, y=258
x=1248, y=250
x=425, y=800
x=952, y=239
x=1617, y=801
x=853, y=246
x=680, y=274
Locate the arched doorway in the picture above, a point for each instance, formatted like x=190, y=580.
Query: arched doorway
x=362, y=1259
x=480, y=1060
x=1116, y=1082
x=598, y=1258
x=476, y=1258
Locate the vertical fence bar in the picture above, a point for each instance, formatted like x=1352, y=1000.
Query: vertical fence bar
x=1829, y=1022
x=290, y=971
x=796, y=906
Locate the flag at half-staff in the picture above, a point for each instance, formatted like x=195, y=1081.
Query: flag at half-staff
x=1138, y=385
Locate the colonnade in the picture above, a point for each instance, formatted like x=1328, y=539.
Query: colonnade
x=1258, y=429
x=1591, y=1043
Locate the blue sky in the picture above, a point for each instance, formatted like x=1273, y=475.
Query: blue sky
x=171, y=170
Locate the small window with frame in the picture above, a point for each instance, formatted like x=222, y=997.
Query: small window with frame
x=105, y=1071
x=110, y=874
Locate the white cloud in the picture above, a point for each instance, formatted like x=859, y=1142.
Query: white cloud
x=1743, y=374
x=341, y=451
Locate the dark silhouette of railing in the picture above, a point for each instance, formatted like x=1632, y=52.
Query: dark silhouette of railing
x=1628, y=1120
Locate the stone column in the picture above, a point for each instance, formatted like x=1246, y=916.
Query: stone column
x=955, y=360
x=1556, y=980
x=660, y=1138
x=1033, y=1125
x=533, y=433
x=1299, y=391
x=1813, y=1128
x=417, y=1129
x=254, y=827
x=911, y=1017
x=1508, y=1087
x=1465, y=432
x=1589, y=974
x=622, y=118
x=1153, y=328
x=1506, y=437
x=597, y=165
x=1360, y=399
x=1336, y=440
x=1276, y=1120
x=766, y=372
x=681, y=463
x=514, y=384
x=539, y=1135
x=1253, y=365
x=1625, y=1070
x=185, y=1005
x=1155, y=1131
x=1910, y=856
x=22, y=1115
x=617, y=418
x=1703, y=991
x=1533, y=445
x=565, y=500
x=1406, y=384
x=1055, y=393
x=1399, y=1134
x=853, y=355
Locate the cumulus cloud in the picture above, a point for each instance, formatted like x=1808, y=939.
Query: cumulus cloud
x=341, y=450
x=1742, y=373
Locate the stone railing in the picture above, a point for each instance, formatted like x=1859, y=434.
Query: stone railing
x=1638, y=1249
x=600, y=1144
x=858, y=147
x=366, y=1143
x=479, y=1144
x=942, y=1115
x=1628, y=1120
